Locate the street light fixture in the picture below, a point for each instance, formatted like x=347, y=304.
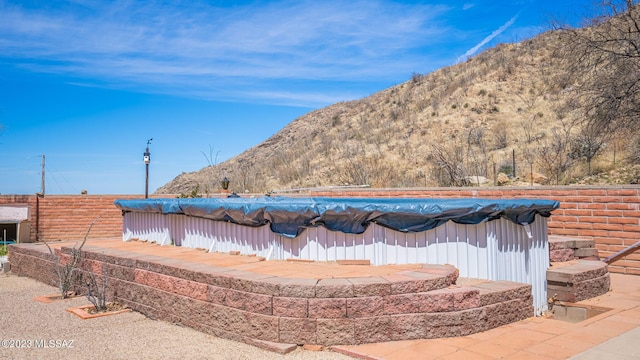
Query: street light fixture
x=225, y=183
x=147, y=160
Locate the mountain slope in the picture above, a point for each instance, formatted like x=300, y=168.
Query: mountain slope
x=512, y=104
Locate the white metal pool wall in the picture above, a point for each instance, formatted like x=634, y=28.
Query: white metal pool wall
x=492, y=250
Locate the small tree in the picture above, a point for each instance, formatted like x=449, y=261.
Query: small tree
x=588, y=143
x=553, y=153
x=449, y=164
x=605, y=61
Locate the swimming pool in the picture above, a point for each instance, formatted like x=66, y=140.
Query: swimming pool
x=490, y=239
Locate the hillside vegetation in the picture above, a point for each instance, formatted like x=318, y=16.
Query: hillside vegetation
x=562, y=107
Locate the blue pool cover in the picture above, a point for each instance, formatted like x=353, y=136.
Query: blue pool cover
x=290, y=216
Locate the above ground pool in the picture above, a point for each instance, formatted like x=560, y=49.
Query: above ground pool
x=490, y=239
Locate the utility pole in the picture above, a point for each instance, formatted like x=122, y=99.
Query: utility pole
x=513, y=159
x=42, y=179
x=147, y=160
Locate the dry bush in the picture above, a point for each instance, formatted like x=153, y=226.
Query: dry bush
x=448, y=164
x=553, y=153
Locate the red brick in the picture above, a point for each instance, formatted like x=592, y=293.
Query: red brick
x=563, y=219
x=607, y=199
x=592, y=219
x=592, y=206
x=608, y=227
x=577, y=212
x=592, y=192
x=627, y=263
x=562, y=192
x=609, y=213
x=566, y=205
x=632, y=229
x=578, y=225
x=577, y=199
x=622, y=192
x=562, y=231
x=610, y=240
x=613, y=248
x=587, y=232
x=625, y=206
x=624, y=235
x=623, y=220
x=629, y=242
x=633, y=271
x=617, y=269
x=633, y=256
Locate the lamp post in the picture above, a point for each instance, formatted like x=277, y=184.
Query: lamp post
x=147, y=160
x=225, y=184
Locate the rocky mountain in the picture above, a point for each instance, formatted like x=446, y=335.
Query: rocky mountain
x=523, y=104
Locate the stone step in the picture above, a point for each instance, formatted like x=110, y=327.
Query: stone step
x=577, y=281
x=565, y=248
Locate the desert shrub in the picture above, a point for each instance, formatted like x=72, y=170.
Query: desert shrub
x=448, y=164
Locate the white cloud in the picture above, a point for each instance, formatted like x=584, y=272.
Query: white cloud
x=211, y=50
x=484, y=41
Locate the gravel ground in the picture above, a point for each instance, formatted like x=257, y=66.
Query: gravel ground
x=123, y=336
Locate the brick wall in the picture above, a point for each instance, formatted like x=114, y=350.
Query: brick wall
x=608, y=215
x=68, y=217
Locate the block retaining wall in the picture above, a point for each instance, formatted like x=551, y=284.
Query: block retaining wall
x=259, y=309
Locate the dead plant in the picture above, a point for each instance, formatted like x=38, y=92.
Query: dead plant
x=67, y=273
x=97, y=293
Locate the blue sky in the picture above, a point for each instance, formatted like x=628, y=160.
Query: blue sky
x=87, y=82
